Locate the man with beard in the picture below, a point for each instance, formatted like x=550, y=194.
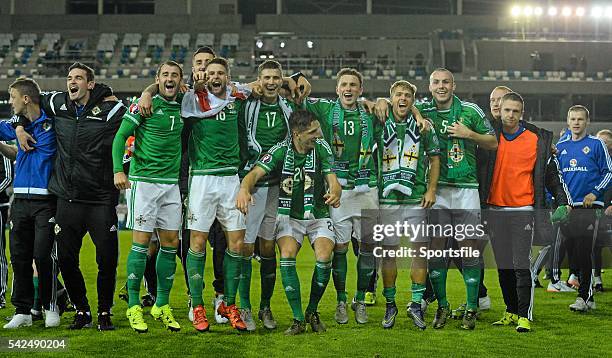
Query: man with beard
x=155, y=201
x=214, y=157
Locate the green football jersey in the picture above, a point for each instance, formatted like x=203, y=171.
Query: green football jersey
x=428, y=147
x=157, y=153
x=347, y=145
x=271, y=129
x=214, y=143
x=472, y=117
x=272, y=163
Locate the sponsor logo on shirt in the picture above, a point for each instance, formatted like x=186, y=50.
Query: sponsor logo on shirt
x=63, y=107
x=563, y=152
x=574, y=167
x=586, y=150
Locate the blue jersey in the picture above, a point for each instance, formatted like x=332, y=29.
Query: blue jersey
x=586, y=168
x=33, y=168
x=565, y=136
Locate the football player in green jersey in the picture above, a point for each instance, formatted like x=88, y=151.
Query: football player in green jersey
x=352, y=134
x=409, y=172
x=155, y=201
x=461, y=126
x=308, y=186
x=265, y=123
x=214, y=157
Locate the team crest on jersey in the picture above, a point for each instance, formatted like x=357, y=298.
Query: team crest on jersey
x=96, y=110
x=134, y=108
x=266, y=158
x=46, y=126
x=57, y=229
x=573, y=163
x=456, y=154
x=287, y=185
x=586, y=150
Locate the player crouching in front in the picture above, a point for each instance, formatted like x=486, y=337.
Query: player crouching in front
x=304, y=165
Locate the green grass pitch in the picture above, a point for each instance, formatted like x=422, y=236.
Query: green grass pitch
x=555, y=331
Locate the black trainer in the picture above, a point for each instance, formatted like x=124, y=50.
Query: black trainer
x=104, y=322
x=81, y=320
x=36, y=315
x=416, y=314
x=315, y=322
x=390, y=314
x=297, y=327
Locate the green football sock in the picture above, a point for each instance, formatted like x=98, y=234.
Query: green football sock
x=417, y=292
x=232, y=265
x=244, y=287
x=136, y=262
x=267, y=271
x=166, y=268
x=36, y=306
x=320, y=279
x=389, y=294
x=291, y=283
x=471, y=277
x=339, y=268
x=437, y=276
x=195, y=272
x=366, y=263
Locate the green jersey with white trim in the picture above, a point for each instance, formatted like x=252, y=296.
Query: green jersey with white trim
x=157, y=153
x=347, y=145
x=214, y=143
x=428, y=146
x=272, y=163
x=472, y=117
x=271, y=129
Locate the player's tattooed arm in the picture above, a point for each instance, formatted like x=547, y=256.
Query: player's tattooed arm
x=332, y=197
x=244, y=198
